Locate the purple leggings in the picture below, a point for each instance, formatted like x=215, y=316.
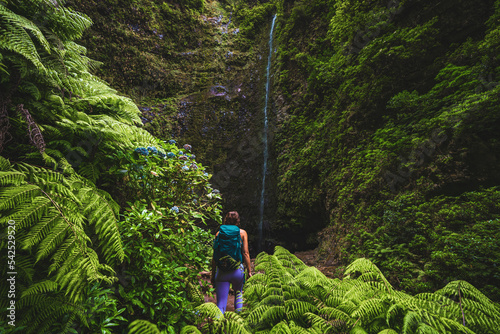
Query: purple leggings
x=222, y=282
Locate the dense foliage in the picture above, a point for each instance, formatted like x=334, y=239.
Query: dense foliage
x=72, y=158
x=386, y=134
x=287, y=296
x=388, y=115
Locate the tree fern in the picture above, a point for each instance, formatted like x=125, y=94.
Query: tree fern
x=145, y=327
x=14, y=37
x=287, y=297
x=52, y=215
x=190, y=330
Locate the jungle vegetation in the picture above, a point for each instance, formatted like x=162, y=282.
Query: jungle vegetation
x=121, y=120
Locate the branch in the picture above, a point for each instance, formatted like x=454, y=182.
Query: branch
x=34, y=132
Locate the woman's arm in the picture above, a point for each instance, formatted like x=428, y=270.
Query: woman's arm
x=245, y=252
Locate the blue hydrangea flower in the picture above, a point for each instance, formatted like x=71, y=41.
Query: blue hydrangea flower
x=183, y=157
x=171, y=141
x=153, y=149
x=187, y=147
x=161, y=154
x=193, y=166
x=174, y=209
x=205, y=174
x=180, y=153
x=216, y=191
x=193, y=157
x=185, y=168
x=170, y=154
x=142, y=150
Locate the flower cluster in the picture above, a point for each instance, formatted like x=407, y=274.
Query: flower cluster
x=170, y=155
x=142, y=150
x=187, y=147
x=183, y=157
x=153, y=149
x=174, y=209
x=171, y=141
x=150, y=149
x=185, y=168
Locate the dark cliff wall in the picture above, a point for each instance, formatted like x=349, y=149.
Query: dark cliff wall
x=197, y=71
x=384, y=119
x=388, y=121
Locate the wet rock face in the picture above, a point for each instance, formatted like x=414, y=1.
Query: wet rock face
x=198, y=77
x=224, y=123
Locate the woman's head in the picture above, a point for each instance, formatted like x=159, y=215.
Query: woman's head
x=232, y=218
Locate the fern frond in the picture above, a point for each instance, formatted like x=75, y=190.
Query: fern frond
x=209, y=310
x=14, y=37
x=395, y=315
x=358, y=330
x=370, y=309
x=27, y=214
x=296, y=308
x=234, y=324
x=296, y=329
x=190, y=330
x=257, y=278
x=319, y=323
x=11, y=178
x=41, y=288
x=257, y=313
x=145, y=327
x=331, y=313
x=388, y=331
x=67, y=226
x=363, y=266
x=41, y=311
x=101, y=212
x=73, y=276
x=272, y=316
x=348, y=306
x=281, y=328
x=4, y=165
x=40, y=230
x=272, y=300
x=411, y=322
x=10, y=197
x=462, y=289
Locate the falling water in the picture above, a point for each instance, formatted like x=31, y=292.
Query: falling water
x=266, y=153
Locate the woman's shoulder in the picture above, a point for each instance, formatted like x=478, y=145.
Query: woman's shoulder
x=243, y=232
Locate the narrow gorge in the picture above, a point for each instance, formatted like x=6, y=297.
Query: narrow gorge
x=362, y=133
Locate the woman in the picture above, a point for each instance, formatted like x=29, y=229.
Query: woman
x=222, y=279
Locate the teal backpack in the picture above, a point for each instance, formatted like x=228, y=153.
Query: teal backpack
x=227, y=248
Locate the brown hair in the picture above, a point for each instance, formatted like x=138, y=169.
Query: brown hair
x=232, y=218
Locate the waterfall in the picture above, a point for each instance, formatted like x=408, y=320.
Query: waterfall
x=266, y=153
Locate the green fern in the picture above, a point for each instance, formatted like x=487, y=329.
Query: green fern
x=143, y=327
x=52, y=215
x=190, y=330
x=287, y=297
